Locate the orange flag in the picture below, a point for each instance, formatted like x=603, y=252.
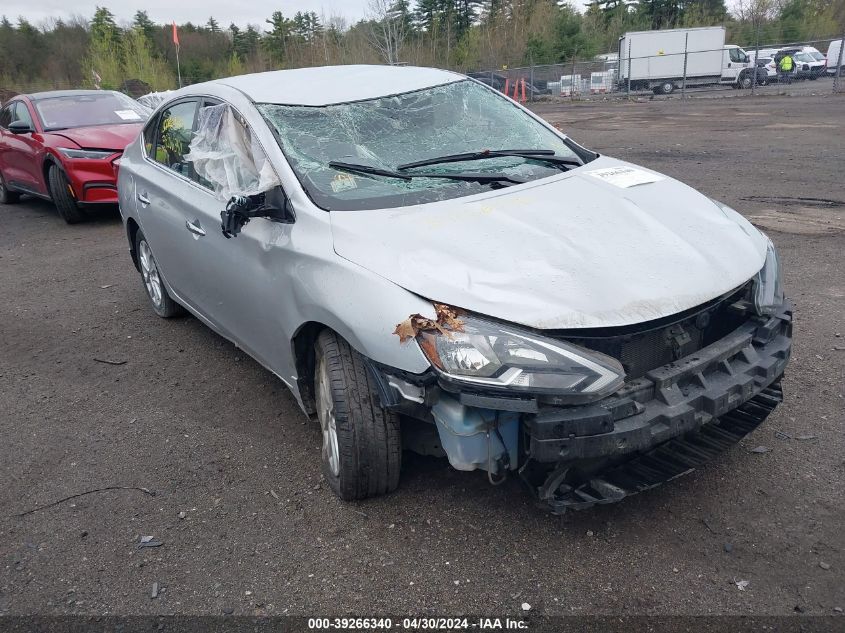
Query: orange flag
x=175, y=35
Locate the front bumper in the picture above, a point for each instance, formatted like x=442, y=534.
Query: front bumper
x=660, y=426
x=667, y=401
x=93, y=181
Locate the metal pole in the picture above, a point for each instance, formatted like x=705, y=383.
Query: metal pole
x=684, y=84
x=629, y=68
x=838, y=66
x=178, y=67
x=531, y=90
x=572, y=94
x=756, y=57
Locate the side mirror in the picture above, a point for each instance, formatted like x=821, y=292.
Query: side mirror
x=278, y=207
x=272, y=204
x=20, y=127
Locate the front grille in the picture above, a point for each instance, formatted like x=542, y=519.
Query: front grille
x=647, y=346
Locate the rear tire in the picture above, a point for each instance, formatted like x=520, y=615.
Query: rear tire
x=6, y=196
x=362, y=443
x=59, y=192
x=666, y=88
x=162, y=304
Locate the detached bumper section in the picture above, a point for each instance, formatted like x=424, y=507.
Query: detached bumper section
x=668, y=401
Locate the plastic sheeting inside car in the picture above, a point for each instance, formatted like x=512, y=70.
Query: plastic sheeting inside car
x=153, y=99
x=227, y=156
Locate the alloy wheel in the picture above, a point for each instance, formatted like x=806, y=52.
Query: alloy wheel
x=328, y=424
x=149, y=271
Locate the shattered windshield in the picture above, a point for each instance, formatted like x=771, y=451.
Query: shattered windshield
x=388, y=132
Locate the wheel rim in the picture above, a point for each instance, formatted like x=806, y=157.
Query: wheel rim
x=149, y=271
x=328, y=424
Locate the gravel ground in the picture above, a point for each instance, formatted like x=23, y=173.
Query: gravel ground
x=245, y=523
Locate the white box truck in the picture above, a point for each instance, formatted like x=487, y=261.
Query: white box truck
x=654, y=60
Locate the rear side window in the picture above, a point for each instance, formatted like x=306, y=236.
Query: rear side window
x=174, y=132
x=6, y=115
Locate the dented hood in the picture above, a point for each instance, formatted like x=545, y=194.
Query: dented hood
x=571, y=251
x=115, y=137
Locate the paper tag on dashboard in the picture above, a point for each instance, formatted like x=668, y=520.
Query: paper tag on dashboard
x=625, y=176
x=128, y=115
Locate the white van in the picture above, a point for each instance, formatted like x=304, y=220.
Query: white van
x=833, y=58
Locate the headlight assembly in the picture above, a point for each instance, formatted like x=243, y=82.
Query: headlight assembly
x=86, y=153
x=768, y=291
x=497, y=356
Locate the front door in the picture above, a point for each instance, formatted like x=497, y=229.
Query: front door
x=19, y=157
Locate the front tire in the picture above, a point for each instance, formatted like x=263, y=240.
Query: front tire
x=60, y=193
x=6, y=196
x=362, y=443
x=160, y=301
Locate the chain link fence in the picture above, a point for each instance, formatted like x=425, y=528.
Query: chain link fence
x=818, y=68
x=686, y=73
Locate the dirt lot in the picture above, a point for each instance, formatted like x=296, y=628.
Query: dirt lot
x=246, y=524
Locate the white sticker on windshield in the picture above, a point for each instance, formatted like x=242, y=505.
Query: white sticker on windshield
x=128, y=115
x=625, y=176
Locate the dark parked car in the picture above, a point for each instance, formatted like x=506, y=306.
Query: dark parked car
x=65, y=145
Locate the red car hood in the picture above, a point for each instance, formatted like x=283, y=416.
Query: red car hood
x=115, y=137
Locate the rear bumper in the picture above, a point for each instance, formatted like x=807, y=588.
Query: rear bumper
x=668, y=401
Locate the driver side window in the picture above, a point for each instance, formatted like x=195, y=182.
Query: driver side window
x=735, y=55
x=174, y=132
x=22, y=114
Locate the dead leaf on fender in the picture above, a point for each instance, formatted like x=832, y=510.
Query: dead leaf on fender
x=448, y=320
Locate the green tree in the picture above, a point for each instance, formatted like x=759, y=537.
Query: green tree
x=103, y=59
x=103, y=26
x=276, y=40
x=140, y=63
x=143, y=22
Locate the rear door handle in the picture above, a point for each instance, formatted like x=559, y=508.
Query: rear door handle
x=143, y=199
x=194, y=227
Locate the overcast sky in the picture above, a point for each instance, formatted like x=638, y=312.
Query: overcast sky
x=166, y=11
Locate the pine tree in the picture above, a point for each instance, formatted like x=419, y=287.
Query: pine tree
x=103, y=26
x=142, y=22
x=212, y=25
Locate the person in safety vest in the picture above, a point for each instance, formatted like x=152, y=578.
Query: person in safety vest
x=786, y=67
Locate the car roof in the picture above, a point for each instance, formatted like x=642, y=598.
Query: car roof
x=54, y=94
x=326, y=85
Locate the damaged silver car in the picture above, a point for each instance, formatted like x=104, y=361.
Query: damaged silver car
x=429, y=266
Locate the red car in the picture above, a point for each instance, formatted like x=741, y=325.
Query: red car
x=64, y=146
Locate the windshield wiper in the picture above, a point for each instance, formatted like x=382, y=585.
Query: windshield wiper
x=547, y=155
x=482, y=178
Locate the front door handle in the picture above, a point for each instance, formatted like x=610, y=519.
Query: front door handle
x=194, y=227
x=143, y=199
